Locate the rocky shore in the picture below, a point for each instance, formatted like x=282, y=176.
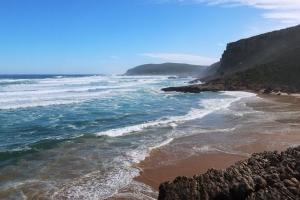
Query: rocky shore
x=220, y=84
x=267, y=175
x=194, y=89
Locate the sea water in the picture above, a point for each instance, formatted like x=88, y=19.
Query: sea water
x=79, y=136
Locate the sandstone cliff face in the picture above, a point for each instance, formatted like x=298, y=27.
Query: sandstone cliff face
x=259, y=49
x=267, y=175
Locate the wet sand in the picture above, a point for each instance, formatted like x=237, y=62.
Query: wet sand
x=293, y=99
x=161, y=166
x=154, y=174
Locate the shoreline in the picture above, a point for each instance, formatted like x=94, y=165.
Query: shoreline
x=154, y=175
x=153, y=172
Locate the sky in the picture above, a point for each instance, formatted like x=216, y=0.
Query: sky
x=111, y=36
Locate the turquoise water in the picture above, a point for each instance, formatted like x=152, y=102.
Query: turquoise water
x=78, y=137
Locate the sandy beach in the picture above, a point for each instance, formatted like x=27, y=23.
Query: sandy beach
x=163, y=166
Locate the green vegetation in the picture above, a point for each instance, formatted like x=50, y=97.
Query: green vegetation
x=176, y=69
x=284, y=70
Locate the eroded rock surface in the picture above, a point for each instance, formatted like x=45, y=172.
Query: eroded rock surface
x=267, y=175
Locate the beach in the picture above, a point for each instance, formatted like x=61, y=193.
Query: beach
x=162, y=166
x=119, y=137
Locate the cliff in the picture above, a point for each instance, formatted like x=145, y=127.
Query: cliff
x=176, y=69
x=264, y=49
x=267, y=175
x=269, y=61
x=247, y=53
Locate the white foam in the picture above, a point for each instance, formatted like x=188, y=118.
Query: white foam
x=195, y=131
x=210, y=105
x=143, y=151
x=209, y=149
x=118, y=182
x=73, y=126
x=58, y=99
x=162, y=144
x=96, y=185
x=18, y=149
x=67, y=90
x=204, y=149
x=37, y=104
x=42, y=91
x=239, y=94
x=137, y=155
x=173, y=125
x=12, y=80
x=136, y=190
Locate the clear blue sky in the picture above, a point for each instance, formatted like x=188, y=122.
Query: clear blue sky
x=111, y=36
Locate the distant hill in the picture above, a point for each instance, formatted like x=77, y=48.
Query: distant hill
x=176, y=69
x=211, y=69
x=209, y=73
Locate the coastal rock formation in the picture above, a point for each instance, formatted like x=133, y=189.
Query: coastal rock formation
x=217, y=85
x=271, y=58
x=176, y=69
x=269, y=62
x=248, y=52
x=196, y=88
x=260, y=49
x=267, y=175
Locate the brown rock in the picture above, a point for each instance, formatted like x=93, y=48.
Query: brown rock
x=259, y=177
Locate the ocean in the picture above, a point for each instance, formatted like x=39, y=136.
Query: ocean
x=80, y=136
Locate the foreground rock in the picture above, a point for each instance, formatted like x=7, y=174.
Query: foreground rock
x=268, y=175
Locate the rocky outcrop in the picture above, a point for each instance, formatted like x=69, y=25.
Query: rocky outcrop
x=221, y=85
x=267, y=175
x=196, y=88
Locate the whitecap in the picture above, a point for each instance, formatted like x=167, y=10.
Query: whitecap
x=162, y=144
